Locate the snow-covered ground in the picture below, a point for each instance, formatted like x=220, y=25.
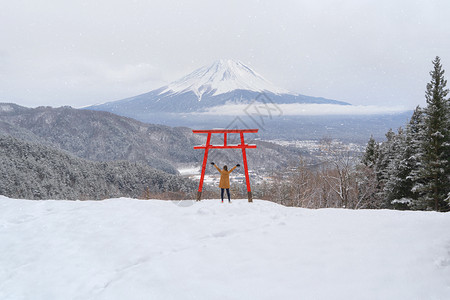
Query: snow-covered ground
x=315, y=147
x=191, y=170
x=133, y=249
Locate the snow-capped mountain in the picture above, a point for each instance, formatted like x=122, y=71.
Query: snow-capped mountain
x=224, y=82
x=223, y=76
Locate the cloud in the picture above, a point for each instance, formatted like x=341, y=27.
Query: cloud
x=298, y=109
x=75, y=81
x=364, y=52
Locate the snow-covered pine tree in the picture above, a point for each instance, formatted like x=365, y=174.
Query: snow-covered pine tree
x=371, y=154
x=412, y=156
x=395, y=187
x=433, y=177
x=369, y=193
x=385, y=156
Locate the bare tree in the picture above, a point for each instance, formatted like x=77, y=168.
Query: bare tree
x=339, y=171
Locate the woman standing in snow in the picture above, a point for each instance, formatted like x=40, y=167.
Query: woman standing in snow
x=224, y=183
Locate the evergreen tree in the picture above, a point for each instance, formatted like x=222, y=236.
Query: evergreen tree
x=405, y=164
x=368, y=189
x=384, y=157
x=371, y=154
x=395, y=187
x=412, y=155
x=432, y=179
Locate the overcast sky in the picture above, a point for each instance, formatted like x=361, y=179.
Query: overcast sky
x=77, y=53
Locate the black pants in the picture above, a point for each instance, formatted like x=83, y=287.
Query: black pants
x=228, y=194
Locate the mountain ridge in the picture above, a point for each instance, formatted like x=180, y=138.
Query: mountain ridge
x=99, y=136
x=103, y=136
x=224, y=82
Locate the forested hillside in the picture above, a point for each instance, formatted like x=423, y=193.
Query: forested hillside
x=34, y=171
x=102, y=136
x=410, y=169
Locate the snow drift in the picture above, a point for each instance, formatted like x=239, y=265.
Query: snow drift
x=131, y=249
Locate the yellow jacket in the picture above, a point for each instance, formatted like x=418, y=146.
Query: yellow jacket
x=224, y=177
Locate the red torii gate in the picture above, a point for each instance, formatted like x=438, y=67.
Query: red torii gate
x=242, y=146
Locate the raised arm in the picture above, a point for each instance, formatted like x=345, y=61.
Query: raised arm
x=232, y=169
x=218, y=169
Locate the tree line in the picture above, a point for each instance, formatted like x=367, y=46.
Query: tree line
x=36, y=171
x=409, y=170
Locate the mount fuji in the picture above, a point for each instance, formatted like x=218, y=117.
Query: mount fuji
x=224, y=82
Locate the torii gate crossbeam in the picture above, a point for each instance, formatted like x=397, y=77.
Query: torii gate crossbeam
x=242, y=146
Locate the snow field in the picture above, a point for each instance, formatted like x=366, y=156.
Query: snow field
x=134, y=249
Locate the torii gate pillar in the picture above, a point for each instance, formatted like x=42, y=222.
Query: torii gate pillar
x=241, y=146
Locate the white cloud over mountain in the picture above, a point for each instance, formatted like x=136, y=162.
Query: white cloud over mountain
x=299, y=109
